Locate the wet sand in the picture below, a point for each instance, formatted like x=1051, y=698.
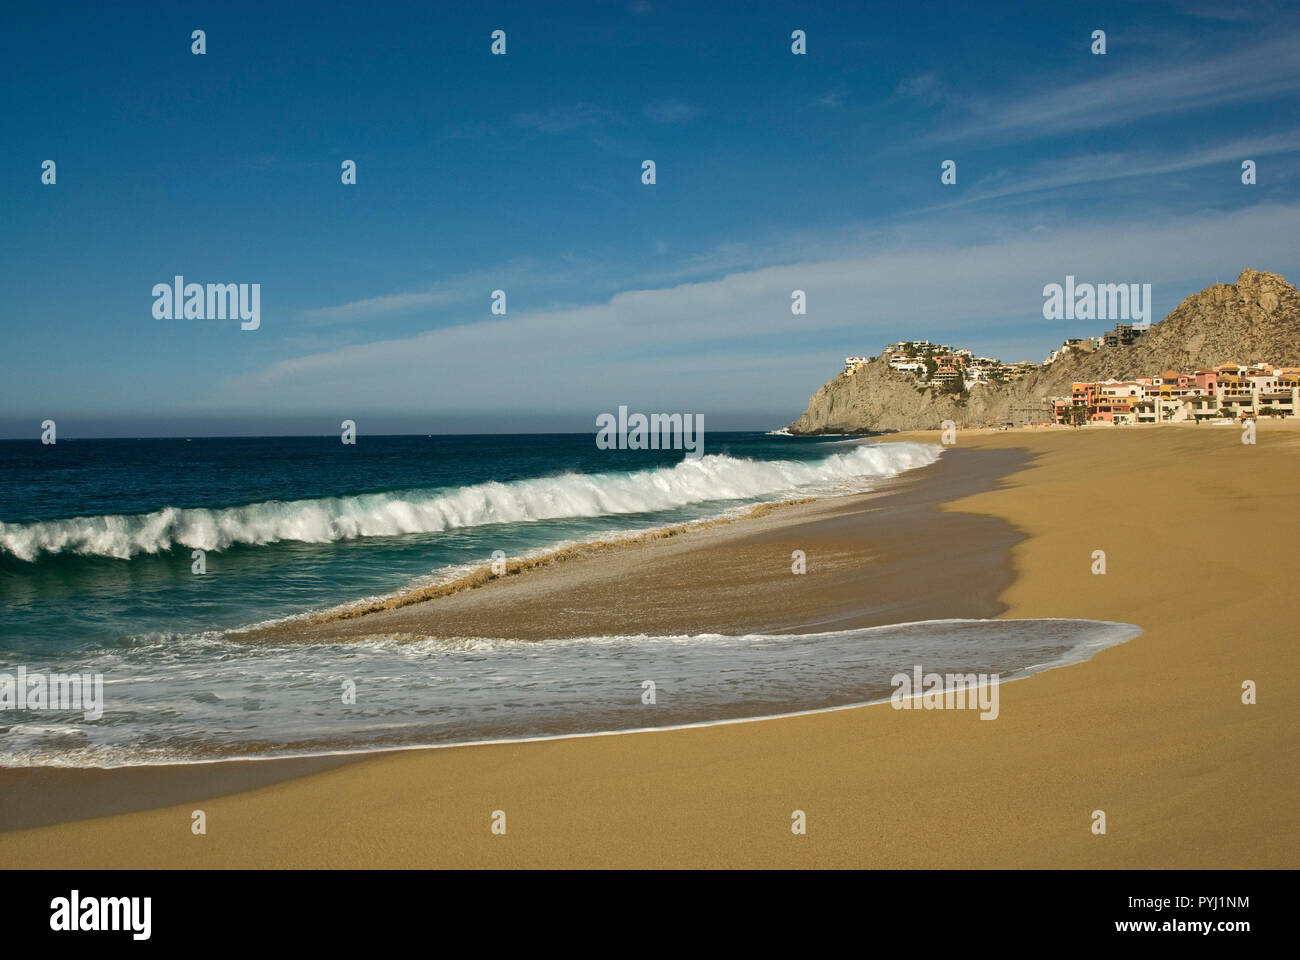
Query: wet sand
x=885, y=557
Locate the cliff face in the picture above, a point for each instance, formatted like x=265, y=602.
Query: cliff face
x=877, y=398
x=1255, y=319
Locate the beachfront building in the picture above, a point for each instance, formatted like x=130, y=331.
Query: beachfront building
x=1107, y=401
x=1114, y=401
x=1173, y=381
x=1160, y=409
x=1236, y=390
x=1278, y=403
x=1249, y=391
x=1235, y=400
x=1229, y=390
x=1074, y=408
x=1261, y=376
x=853, y=364
x=1262, y=379
x=1203, y=407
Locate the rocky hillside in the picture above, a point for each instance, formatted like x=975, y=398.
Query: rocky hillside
x=1257, y=318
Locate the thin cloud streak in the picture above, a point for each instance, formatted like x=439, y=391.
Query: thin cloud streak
x=376, y=306
x=1250, y=74
x=1104, y=168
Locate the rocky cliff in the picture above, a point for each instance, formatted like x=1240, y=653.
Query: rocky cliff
x=1255, y=319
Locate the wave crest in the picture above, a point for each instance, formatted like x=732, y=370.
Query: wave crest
x=327, y=519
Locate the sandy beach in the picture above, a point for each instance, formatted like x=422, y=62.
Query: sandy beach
x=1197, y=529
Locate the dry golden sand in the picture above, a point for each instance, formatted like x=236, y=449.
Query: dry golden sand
x=1200, y=533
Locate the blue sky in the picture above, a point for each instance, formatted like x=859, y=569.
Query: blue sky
x=523, y=172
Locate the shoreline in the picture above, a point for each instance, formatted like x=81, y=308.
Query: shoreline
x=910, y=500
x=343, y=753
x=726, y=577
x=476, y=575
x=1137, y=729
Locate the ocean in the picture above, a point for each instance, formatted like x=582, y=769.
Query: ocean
x=97, y=560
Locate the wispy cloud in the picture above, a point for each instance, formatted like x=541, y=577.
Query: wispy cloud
x=566, y=118
x=832, y=98
x=457, y=289
x=856, y=300
x=376, y=306
x=670, y=111
x=1248, y=74
x=925, y=87
x=1061, y=174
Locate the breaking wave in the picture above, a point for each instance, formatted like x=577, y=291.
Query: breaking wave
x=715, y=477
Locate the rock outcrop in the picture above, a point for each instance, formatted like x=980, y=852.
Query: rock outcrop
x=1255, y=319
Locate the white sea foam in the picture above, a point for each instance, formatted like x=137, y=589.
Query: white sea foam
x=716, y=477
x=182, y=698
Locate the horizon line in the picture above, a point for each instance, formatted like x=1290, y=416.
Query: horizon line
x=334, y=436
